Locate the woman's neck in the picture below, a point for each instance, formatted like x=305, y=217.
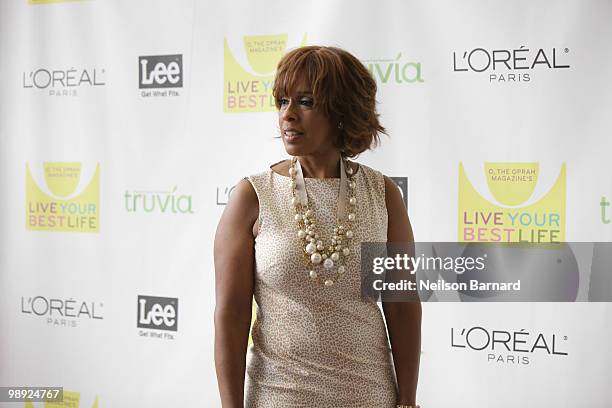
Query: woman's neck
x=321, y=166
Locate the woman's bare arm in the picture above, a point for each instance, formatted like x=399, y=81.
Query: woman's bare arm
x=403, y=318
x=234, y=259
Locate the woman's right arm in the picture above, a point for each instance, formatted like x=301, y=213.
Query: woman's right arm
x=234, y=259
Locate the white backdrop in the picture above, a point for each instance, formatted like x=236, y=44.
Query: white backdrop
x=113, y=179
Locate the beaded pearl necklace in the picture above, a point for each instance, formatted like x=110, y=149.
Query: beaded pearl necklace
x=333, y=256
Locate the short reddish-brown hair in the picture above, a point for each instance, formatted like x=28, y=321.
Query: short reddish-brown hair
x=343, y=89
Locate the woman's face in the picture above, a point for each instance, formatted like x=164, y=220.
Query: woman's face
x=304, y=129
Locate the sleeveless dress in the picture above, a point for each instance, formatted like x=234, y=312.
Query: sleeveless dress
x=316, y=346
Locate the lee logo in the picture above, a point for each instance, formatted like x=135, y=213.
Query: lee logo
x=160, y=71
x=158, y=313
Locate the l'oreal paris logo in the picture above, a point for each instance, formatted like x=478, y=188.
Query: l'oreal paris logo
x=53, y=307
x=510, y=65
x=63, y=82
x=480, y=59
x=223, y=198
x=505, y=346
x=62, y=312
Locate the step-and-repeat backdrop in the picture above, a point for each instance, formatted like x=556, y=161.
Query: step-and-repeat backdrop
x=125, y=125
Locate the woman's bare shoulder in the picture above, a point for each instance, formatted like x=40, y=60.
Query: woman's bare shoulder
x=243, y=203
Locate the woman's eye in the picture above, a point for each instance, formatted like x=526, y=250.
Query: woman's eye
x=304, y=102
x=307, y=102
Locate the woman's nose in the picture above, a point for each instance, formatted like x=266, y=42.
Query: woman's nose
x=289, y=112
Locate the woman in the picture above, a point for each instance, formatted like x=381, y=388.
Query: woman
x=291, y=236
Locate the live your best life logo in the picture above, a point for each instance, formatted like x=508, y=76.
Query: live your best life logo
x=510, y=220
x=58, y=204
x=59, y=81
x=160, y=75
x=248, y=73
x=63, y=312
x=518, y=347
x=518, y=65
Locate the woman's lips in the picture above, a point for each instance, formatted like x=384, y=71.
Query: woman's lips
x=292, y=136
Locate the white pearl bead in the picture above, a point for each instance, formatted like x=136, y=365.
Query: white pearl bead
x=338, y=241
x=328, y=264
x=341, y=269
x=324, y=256
x=301, y=234
x=316, y=236
x=315, y=258
x=340, y=228
x=349, y=234
x=311, y=240
x=294, y=201
x=297, y=217
x=306, y=221
x=351, y=217
x=352, y=184
x=346, y=252
x=292, y=171
x=349, y=170
x=292, y=183
x=352, y=201
x=335, y=256
x=311, y=248
x=329, y=282
x=338, y=247
x=308, y=213
x=320, y=247
x=313, y=274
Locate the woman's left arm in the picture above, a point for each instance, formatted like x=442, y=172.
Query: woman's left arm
x=403, y=318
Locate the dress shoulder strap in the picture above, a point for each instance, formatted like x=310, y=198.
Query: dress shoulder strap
x=375, y=181
x=372, y=192
x=270, y=197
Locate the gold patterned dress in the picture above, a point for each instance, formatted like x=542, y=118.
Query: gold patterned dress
x=316, y=346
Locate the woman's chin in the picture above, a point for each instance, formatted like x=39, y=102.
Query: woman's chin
x=294, y=150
